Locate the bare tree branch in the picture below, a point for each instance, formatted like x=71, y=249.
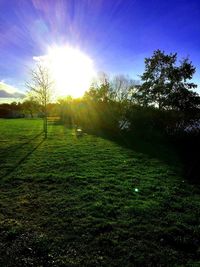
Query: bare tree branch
x=40, y=87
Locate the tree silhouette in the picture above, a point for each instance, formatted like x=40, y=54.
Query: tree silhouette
x=40, y=87
x=166, y=85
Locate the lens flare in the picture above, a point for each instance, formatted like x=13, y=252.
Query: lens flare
x=71, y=70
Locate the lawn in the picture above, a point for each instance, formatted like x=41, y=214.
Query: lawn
x=90, y=201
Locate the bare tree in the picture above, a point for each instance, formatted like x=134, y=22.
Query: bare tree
x=40, y=87
x=120, y=87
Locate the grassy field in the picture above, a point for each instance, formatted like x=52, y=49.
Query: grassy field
x=88, y=201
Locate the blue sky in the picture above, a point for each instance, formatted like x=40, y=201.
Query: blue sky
x=116, y=34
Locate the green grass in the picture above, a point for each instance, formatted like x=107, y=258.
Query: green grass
x=68, y=201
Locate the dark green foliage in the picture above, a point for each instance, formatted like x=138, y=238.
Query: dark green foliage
x=163, y=104
x=95, y=112
x=146, y=120
x=188, y=145
x=12, y=110
x=30, y=107
x=150, y=120
x=166, y=85
x=72, y=201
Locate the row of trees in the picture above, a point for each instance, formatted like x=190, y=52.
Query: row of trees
x=163, y=99
x=28, y=108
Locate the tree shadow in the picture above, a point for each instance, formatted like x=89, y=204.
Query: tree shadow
x=12, y=149
x=9, y=156
x=55, y=121
x=180, y=153
x=188, y=147
x=154, y=146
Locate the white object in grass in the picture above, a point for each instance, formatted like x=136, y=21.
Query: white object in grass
x=79, y=132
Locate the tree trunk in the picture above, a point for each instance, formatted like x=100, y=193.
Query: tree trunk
x=45, y=118
x=45, y=126
x=45, y=121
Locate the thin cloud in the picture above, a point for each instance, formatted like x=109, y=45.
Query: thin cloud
x=40, y=58
x=9, y=91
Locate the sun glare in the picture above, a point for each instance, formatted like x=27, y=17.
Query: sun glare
x=71, y=70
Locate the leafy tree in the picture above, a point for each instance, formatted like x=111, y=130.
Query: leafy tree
x=65, y=109
x=12, y=110
x=30, y=106
x=40, y=87
x=166, y=85
x=99, y=92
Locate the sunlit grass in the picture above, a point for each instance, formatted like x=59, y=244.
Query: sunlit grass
x=89, y=202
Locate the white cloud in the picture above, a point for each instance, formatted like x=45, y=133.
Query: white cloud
x=9, y=93
x=9, y=88
x=41, y=58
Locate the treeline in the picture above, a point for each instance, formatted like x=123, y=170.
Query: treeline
x=163, y=102
x=28, y=108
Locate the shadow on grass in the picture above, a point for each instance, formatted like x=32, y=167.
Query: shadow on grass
x=154, y=145
x=180, y=152
x=26, y=148
x=188, y=147
x=55, y=121
x=21, y=145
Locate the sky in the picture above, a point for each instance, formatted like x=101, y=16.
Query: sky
x=116, y=34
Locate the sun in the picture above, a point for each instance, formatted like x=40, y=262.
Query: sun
x=72, y=71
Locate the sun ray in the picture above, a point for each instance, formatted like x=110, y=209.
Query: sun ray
x=71, y=70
